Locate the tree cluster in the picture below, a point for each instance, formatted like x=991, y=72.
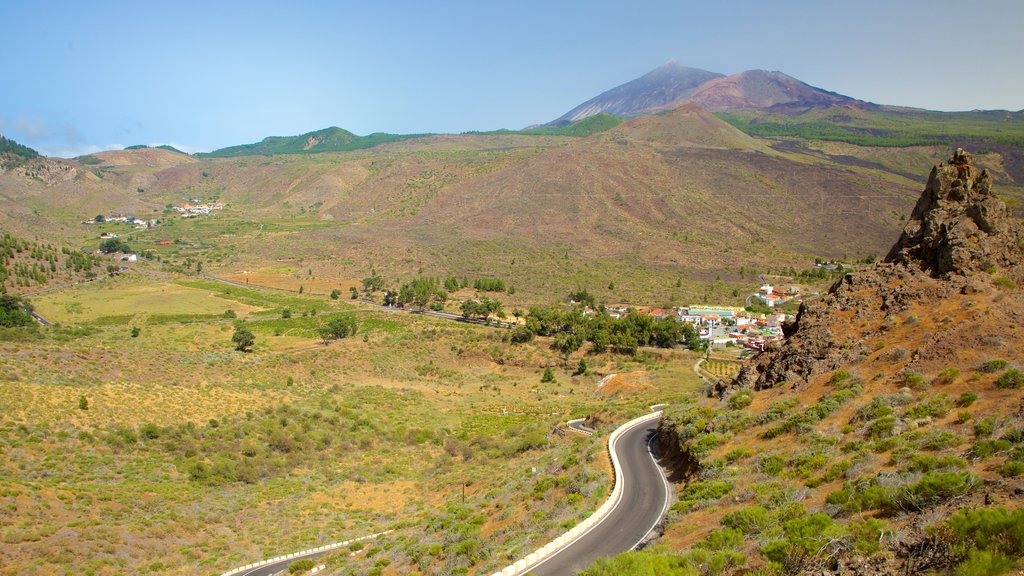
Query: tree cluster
x=338, y=327
x=112, y=245
x=482, y=309
x=420, y=293
x=15, y=312
x=570, y=328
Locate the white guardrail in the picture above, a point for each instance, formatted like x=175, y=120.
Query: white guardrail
x=578, y=531
x=325, y=548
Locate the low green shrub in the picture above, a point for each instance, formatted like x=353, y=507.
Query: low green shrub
x=936, y=406
x=749, y=520
x=966, y=399
x=993, y=365
x=741, y=399
x=984, y=427
x=1012, y=468
x=996, y=529
x=1012, y=378
x=771, y=464
x=700, y=492
x=303, y=565
x=946, y=376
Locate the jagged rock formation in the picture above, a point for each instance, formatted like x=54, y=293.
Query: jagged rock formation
x=957, y=230
x=958, y=226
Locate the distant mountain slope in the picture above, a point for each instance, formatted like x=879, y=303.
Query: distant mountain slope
x=13, y=154
x=167, y=147
x=659, y=89
x=331, y=139
x=135, y=155
x=761, y=90
x=689, y=126
x=672, y=84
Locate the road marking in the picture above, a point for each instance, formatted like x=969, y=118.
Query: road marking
x=668, y=490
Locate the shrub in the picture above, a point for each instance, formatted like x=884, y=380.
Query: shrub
x=771, y=464
x=984, y=563
x=1004, y=282
x=991, y=529
x=699, y=492
x=1012, y=468
x=882, y=427
x=914, y=381
x=229, y=313
x=966, y=399
x=1012, y=378
x=986, y=448
x=984, y=427
x=521, y=335
x=749, y=520
x=741, y=400
x=934, y=407
x=947, y=376
x=925, y=463
x=738, y=454
x=867, y=535
x=549, y=375
x=301, y=566
x=806, y=536
x=243, y=338
x=838, y=377
x=993, y=365
x=642, y=563
x=896, y=354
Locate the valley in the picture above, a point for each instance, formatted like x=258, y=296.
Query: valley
x=276, y=346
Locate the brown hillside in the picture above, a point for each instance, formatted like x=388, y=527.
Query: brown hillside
x=760, y=89
x=894, y=398
x=680, y=194
x=154, y=157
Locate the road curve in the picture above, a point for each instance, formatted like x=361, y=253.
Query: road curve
x=643, y=502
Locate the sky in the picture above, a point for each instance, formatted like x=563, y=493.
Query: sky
x=79, y=77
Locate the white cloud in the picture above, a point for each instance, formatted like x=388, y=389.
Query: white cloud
x=74, y=150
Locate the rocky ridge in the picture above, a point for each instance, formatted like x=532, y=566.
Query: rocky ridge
x=958, y=235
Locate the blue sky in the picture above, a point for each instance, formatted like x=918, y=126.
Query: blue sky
x=84, y=76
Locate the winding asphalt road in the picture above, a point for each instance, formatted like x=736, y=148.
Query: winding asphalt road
x=645, y=498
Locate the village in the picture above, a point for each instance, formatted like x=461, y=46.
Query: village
x=728, y=326
x=192, y=209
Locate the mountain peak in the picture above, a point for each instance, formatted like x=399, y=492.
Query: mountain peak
x=672, y=84
x=660, y=89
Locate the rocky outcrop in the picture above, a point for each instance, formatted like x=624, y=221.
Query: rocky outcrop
x=957, y=229
x=673, y=453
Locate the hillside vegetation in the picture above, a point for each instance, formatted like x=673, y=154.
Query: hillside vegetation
x=331, y=139
x=29, y=265
x=887, y=128
x=13, y=154
x=884, y=436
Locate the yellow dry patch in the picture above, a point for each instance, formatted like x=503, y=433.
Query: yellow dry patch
x=388, y=497
x=119, y=297
x=128, y=404
x=627, y=383
x=284, y=281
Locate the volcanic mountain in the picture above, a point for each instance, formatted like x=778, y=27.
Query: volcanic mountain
x=660, y=89
x=672, y=84
x=761, y=90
